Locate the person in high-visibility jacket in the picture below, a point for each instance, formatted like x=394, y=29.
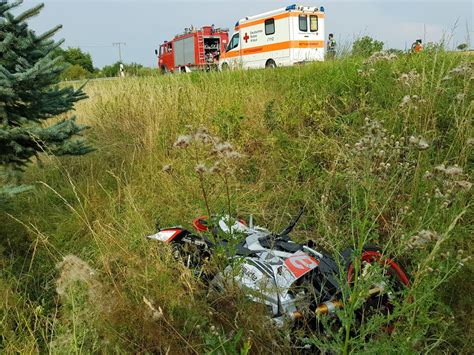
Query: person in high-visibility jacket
x=417, y=46
x=331, y=48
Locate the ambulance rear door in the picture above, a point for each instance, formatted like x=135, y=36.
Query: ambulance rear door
x=308, y=40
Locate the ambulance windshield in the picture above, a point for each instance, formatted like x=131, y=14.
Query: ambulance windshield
x=234, y=42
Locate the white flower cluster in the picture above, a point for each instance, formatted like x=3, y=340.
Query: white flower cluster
x=384, y=151
x=366, y=72
x=379, y=56
x=409, y=79
x=223, y=151
x=460, y=70
x=450, y=181
x=423, y=238
x=411, y=101
x=418, y=142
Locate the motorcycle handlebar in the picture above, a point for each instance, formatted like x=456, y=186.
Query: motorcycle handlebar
x=292, y=224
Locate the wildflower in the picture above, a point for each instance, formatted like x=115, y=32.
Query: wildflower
x=464, y=185
x=419, y=142
x=453, y=170
x=215, y=169
x=440, y=168
x=183, y=141
x=460, y=97
x=200, y=168
x=233, y=155
x=423, y=238
x=223, y=147
x=167, y=168
x=202, y=135
x=379, y=56
x=409, y=79
x=405, y=101
x=423, y=144
x=460, y=70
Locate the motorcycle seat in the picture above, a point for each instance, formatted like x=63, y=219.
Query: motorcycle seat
x=239, y=248
x=281, y=243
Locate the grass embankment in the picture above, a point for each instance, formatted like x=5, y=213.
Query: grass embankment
x=361, y=145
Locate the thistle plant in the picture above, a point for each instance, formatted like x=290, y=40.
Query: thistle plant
x=211, y=157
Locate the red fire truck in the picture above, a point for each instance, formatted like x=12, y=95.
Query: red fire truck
x=194, y=49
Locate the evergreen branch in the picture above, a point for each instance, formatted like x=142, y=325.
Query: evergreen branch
x=50, y=33
x=5, y=6
x=28, y=13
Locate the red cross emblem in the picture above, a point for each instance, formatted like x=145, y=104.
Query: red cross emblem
x=246, y=38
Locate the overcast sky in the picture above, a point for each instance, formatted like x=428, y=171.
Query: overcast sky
x=143, y=24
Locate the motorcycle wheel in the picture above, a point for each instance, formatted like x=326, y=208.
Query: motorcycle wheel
x=381, y=304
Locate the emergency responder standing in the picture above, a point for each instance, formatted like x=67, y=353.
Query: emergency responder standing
x=417, y=46
x=331, y=48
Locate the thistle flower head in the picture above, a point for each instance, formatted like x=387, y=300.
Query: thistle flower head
x=200, y=168
x=183, y=141
x=167, y=168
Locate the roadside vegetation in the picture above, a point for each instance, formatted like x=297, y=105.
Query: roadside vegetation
x=79, y=66
x=379, y=149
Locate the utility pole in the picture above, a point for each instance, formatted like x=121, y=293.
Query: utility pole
x=121, y=66
x=119, y=45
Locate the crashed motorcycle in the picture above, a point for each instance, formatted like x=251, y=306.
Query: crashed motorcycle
x=294, y=281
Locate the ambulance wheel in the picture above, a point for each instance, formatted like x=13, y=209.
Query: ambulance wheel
x=270, y=64
x=224, y=67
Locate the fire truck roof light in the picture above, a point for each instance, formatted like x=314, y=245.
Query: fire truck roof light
x=291, y=7
x=321, y=9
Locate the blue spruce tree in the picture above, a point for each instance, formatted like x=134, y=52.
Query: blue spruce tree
x=29, y=96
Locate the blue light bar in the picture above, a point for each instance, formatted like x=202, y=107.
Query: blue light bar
x=321, y=9
x=291, y=7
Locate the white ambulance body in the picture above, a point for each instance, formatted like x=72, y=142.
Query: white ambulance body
x=282, y=37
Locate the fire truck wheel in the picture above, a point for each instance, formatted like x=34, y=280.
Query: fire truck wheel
x=270, y=64
x=224, y=67
x=164, y=70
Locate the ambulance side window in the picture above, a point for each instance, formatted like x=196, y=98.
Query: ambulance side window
x=313, y=23
x=303, y=20
x=270, y=26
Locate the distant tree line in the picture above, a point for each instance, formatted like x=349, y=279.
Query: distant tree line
x=80, y=66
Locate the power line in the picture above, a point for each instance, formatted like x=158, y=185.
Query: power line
x=119, y=45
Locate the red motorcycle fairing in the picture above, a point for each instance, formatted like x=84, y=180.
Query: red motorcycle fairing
x=167, y=235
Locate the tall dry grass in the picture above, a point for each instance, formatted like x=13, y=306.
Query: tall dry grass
x=360, y=144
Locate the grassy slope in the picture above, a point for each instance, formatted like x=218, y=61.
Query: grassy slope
x=298, y=128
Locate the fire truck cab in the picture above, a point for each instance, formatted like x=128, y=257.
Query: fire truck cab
x=282, y=37
x=193, y=49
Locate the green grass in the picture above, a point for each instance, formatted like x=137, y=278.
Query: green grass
x=299, y=130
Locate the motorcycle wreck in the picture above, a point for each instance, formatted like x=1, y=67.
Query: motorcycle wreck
x=298, y=283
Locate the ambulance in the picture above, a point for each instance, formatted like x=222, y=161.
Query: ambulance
x=283, y=37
